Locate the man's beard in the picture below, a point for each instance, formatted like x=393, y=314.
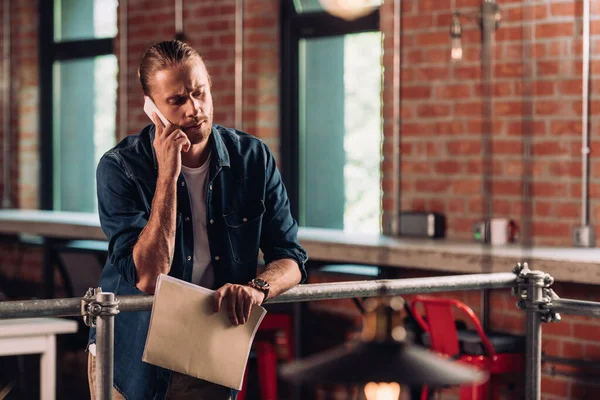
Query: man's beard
x=202, y=135
x=204, y=132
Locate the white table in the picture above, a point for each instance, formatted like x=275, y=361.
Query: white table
x=36, y=336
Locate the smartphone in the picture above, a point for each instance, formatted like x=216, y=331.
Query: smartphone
x=150, y=107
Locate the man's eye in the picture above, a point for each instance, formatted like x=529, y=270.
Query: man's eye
x=177, y=100
x=198, y=94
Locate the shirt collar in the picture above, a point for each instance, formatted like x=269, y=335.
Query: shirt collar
x=216, y=141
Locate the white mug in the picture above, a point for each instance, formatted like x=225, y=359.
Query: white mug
x=499, y=231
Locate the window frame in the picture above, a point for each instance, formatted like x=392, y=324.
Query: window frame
x=295, y=26
x=49, y=52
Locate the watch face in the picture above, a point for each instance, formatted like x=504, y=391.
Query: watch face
x=260, y=283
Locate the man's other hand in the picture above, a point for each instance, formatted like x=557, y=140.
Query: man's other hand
x=238, y=300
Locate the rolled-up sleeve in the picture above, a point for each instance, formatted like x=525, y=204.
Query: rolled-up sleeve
x=279, y=236
x=122, y=214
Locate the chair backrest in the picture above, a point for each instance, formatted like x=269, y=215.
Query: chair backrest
x=441, y=324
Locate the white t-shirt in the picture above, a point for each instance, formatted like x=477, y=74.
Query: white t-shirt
x=196, y=179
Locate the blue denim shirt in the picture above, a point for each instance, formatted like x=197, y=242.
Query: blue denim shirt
x=247, y=205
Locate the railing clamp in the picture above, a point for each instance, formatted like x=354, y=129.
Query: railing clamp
x=92, y=308
x=534, y=292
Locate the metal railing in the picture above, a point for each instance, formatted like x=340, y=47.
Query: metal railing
x=540, y=303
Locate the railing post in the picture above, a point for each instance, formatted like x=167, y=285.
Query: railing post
x=99, y=309
x=534, y=290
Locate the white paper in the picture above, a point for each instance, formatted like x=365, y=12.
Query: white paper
x=187, y=336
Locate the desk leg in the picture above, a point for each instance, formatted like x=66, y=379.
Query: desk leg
x=48, y=370
x=48, y=269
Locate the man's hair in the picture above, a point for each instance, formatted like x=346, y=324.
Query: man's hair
x=163, y=55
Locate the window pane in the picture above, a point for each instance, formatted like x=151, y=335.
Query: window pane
x=83, y=127
x=340, y=132
x=305, y=6
x=84, y=19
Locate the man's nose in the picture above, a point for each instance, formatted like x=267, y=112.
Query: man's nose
x=194, y=107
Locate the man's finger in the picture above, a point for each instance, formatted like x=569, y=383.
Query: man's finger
x=247, y=307
x=186, y=144
x=231, y=302
x=218, y=299
x=175, y=134
x=239, y=307
x=157, y=121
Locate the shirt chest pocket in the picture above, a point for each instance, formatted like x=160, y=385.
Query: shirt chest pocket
x=243, y=231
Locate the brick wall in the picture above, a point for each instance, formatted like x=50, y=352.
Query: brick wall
x=440, y=106
x=24, y=152
x=537, y=50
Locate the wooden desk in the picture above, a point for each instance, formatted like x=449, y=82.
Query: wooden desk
x=329, y=245
x=36, y=336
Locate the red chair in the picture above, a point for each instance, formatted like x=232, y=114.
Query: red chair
x=266, y=353
x=496, y=353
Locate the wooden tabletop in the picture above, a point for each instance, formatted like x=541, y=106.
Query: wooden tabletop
x=563, y=263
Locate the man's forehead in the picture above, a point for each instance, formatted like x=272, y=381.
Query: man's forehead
x=191, y=74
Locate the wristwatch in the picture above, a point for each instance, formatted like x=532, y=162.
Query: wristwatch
x=260, y=284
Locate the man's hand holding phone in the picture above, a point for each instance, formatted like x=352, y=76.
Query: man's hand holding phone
x=169, y=142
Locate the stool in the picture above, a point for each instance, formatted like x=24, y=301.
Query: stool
x=266, y=354
x=496, y=353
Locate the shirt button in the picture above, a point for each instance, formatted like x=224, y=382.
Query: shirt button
x=209, y=187
x=245, y=219
x=182, y=183
x=217, y=258
x=189, y=258
x=212, y=221
x=187, y=219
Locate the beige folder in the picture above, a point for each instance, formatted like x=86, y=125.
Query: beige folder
x=187, y=336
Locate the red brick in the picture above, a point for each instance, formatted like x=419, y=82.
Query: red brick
x=429, y=110
x=503, y=188
x=466, y=147
x=586, y=331
x=565, y=168
x=569, y=9
x=568, y=211
x=432, y=186
x=572, y=349
x=454, y=91
x=466, y=187
x=508, y=70
x=415, y=167
x=550, y=30
x=507, y=108
x=448, y=167
x=509, y=33
x=547, y=189
x=550, y=148
x=468, y=109
x=415, y=92
x=412, y=22
x=551, y=229
x=555, y=385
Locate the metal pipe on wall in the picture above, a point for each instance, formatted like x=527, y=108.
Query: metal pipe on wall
x=585, y=146
x=394, y=228
x=179, y=19
x=239, y=64
x=6, y=115
x=488, y=27
x=123, y=70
